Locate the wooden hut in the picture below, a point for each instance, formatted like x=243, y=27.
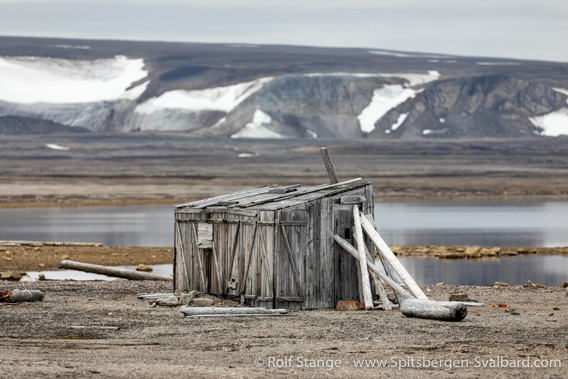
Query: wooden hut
x=271, y=246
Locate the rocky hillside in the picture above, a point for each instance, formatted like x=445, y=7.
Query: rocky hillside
x=250, y=91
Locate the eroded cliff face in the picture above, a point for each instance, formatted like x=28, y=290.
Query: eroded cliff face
x=280, y=92
x=482, y=106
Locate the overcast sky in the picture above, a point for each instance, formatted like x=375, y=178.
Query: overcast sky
x=492, y=28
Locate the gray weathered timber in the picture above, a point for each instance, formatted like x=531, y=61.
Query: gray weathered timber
x=111, y=271
x=328, y=165
x=193, y=311
x=272, y=247
x=366, y=284
x=20, y=296
x=436, y=310
x=371, y=267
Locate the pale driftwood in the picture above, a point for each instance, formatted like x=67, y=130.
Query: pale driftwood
x=194, y=311
x=384, y=263
x=470, y=304
x=94, y=327
x=437, y=310
x=379, y=289
x=167, y=301
x=20, y=296
x=371, y=267
x=328, y=165
x=391, y=258
x=365, y=283
x=111, y=271
x=245, y=315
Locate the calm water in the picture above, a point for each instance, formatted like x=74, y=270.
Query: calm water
x=486, y=223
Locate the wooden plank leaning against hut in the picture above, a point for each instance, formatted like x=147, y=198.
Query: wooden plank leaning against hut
x=272, y=246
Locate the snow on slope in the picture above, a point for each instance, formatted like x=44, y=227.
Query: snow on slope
x=54, y=146
x=257, y=128
x=553, y=124
x=398, y=123
x=29, y=80
x=390, y=96
x=216, y=99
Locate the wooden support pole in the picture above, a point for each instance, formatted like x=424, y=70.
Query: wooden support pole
x=328, y=165
x=391, y=258
x=371, y=267
x=379, y=289
x=111, y=271
x=386, y=266
x=436, y=310
x=367, y=296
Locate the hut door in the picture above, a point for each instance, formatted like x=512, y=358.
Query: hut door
x=291, y=264
x=345, y=267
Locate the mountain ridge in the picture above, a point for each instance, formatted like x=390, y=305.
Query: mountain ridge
x=270, y=91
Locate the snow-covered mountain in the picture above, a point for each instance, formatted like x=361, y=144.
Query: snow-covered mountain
x=241, y=91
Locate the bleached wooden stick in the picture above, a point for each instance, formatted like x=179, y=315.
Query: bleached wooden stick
x=365, y=283
x=379, y=289
x=351, y=250
x=391, y=258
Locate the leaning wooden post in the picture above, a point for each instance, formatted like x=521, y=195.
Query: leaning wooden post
x=367, y=295
x=391, y=258
x=372, y=268
x=328, y=165
x=379, y=289
x=385, y=264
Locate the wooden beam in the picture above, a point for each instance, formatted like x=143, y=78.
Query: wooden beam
x=391, y=258
x=111, y=271
x=328, y=165
x=365, y=283
x=351, y=250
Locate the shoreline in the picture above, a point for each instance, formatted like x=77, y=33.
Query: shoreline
x=103, y=202
x=44, y=256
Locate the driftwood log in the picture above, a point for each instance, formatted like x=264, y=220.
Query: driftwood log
x=431, y=309
x=20, y=296
x=210, y=311
x=111, y=271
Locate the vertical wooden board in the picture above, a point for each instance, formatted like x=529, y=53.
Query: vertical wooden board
x=312, y=288
x=328, y=257
x=268, y=268
x=179, y=277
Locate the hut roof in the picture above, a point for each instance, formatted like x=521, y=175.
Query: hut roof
x=272, y=197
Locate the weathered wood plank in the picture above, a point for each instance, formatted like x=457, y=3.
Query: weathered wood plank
x=367, y=297
x=391, y=258
x=328, y=165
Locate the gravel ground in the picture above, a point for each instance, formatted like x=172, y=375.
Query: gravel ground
x=38, y=339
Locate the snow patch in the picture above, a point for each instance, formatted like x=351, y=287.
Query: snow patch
x=426, y=131
x=257, y=127
x=407, y=55
x=563, y=91
x=399, y=121
x=29, y=80
x=246, y=155
x=312, y=134
x=442, y=120
x=56, y=147
x=498, y=63
x=80, y=47
x=384, y=99
x=216, y=99
x=553, y=124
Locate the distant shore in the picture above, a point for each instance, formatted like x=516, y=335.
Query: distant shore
x=45, y=256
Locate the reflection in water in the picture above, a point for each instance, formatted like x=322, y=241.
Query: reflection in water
x=473, y=222
x=547, y=270
x=409, y=222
